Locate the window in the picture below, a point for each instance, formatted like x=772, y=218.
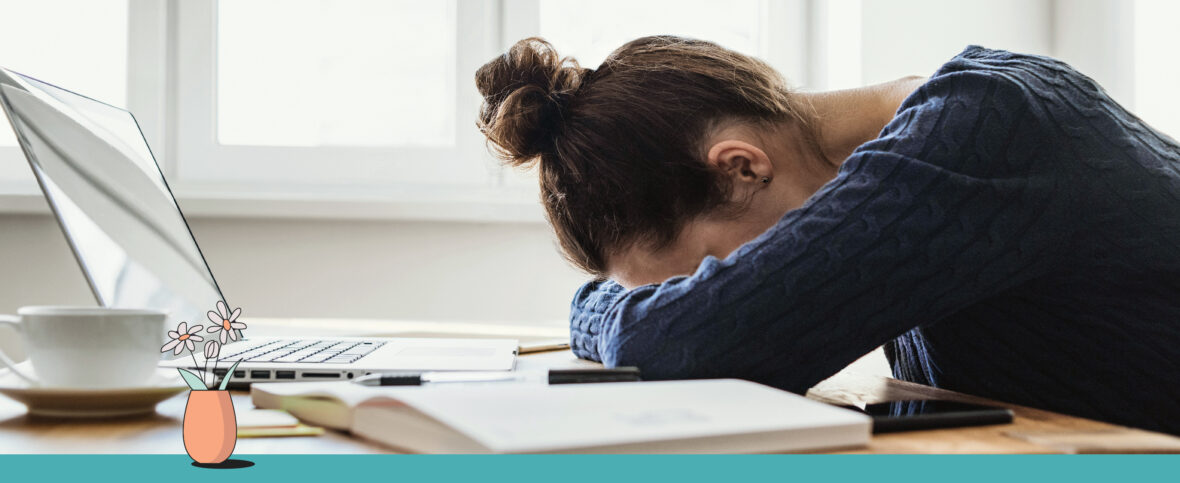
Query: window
x=310, y=105
x=331, y=98
x=80, y=44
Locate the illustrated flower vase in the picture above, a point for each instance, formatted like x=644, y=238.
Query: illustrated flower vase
x=210, y=426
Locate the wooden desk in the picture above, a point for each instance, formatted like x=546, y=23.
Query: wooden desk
x=1033, y=431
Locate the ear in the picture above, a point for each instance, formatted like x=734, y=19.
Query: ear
x=742, y=161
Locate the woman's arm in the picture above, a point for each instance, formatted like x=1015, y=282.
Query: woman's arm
x=586, y=311
x=952, y=204
x=846, y=109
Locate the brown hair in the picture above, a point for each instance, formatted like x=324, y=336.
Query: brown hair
x=620, y=147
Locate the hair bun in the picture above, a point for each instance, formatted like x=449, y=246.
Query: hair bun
x=525, y=92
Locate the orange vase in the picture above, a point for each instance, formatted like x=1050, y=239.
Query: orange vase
x=210, y=426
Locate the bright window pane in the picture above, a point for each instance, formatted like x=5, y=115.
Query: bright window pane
x=590, y=30
x=80, y=45
x=1157, y=74
x=336, y=72
x=915, y=37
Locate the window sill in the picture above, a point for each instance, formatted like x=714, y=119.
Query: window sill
x=451, y=205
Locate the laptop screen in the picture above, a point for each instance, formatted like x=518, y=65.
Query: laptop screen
x=111, y=200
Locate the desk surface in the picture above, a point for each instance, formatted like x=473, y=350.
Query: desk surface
x=1033, y=431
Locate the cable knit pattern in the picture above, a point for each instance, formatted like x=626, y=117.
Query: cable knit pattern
x=1012, y=233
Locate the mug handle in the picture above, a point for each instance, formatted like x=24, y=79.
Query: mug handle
x=14, y=322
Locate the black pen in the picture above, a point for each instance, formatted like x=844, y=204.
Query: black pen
x=555, y=376
x=419, y=378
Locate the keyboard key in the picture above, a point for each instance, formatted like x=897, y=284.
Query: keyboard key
x=299, y=356
x=320, y=357
x=245, y=354
x=238, y=350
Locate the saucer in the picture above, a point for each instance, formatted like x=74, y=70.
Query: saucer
x=65, y=402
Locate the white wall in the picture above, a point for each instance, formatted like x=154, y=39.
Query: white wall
x=304, y=268
x=301, y=268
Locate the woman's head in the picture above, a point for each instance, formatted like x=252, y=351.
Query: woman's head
x=666, y=132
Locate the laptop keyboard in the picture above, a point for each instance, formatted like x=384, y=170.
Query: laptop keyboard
x=298, y=350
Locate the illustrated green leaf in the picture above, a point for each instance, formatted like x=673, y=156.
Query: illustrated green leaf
x=228, y=375
x=194, y=381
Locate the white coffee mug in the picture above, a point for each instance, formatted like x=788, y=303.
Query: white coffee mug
x=88, y=347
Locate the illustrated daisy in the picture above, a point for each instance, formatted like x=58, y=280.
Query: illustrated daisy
x=183, y=338
x=226, y=322
x=201, y=378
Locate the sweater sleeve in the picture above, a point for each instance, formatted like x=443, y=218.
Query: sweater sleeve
x=951, y=204
x=590, y=302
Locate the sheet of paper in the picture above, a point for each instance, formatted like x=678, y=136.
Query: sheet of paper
x=531, y=417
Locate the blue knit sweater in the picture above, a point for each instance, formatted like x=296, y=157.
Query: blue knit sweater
x=1012, y=233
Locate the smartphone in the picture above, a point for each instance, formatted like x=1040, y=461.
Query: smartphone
x=917, y=414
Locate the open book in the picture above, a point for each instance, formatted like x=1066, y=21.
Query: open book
x=698, y=416
x=327, y=404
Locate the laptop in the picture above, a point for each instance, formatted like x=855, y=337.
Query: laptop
x=135, y=247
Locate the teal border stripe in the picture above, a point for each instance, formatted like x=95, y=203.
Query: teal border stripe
x=596, y=469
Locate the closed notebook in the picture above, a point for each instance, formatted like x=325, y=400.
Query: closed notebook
x=699, y=416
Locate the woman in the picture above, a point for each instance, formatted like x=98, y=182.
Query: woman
x=1004, y=227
